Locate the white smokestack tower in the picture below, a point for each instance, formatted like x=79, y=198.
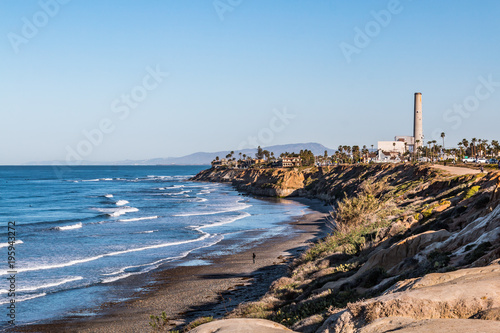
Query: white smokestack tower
x=417, y=123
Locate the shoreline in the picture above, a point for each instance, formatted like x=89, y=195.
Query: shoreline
x=188, y=292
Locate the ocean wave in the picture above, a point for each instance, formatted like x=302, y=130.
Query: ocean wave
x=110, y=254
x=106, y=179
x=178, y=193
x=121, y=202
x=239, y=207
x=69, y=227
x=114, y=212
x=139, y=219
x=204, y=192
x=108, y=195
x=90, y=180
x=145, y=232
x=48, y=285
x=18, y=241
x=126, y=275
x=123, y=211
x=225, y=221
x=122, y=274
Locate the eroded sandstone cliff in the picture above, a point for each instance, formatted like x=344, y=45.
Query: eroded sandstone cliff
x=415, y=249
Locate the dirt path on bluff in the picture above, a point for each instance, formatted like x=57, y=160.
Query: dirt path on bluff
x=457, y=171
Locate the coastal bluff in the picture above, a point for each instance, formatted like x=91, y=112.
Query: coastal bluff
x=416, y=249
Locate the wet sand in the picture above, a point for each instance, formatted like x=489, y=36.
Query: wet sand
x=189, y=292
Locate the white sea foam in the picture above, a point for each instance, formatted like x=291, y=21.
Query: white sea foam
x=88, y=259
x=139, y=219
x=225, y=221
x=123, y=211
x=146, y=232
x=47, y=285
x=121, y=202
x=239, y=207
x=204, y=192
x=69, y=227
x=90, y=180
x=114, y=212
x=124, y=274
x=178, y=193
x=201, y=199
x=106, y=179
x=18, y=241
x=108, y=195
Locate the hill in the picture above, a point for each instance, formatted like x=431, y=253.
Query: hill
x=204, y=158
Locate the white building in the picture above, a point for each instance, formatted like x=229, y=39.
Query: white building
x=392, y=146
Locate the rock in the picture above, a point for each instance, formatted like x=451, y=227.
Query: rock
x=490, y=314
x=241, y=325
x=441, y=208
x=406, y=248
x=407, y=325
x=459, y=294
x=340, y=322
x=309, y=324
x=394, y=255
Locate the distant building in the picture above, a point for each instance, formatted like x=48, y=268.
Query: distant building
x=223, y=162
x=408, y=140
x=388, y=157
x=392, y=146
x=289, y=162
x=219, y=163
x=403, y=144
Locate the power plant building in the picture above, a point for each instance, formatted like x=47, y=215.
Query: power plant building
x=402, y=144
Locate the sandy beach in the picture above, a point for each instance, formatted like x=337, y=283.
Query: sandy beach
x=188, y=292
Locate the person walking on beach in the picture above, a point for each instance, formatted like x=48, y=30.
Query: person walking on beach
x=482, y=169
x=253, y=257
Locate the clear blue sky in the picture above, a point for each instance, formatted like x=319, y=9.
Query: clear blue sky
x=231, y=65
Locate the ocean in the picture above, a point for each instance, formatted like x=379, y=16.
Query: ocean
x=81, y=230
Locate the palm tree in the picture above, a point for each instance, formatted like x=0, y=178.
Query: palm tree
x=496, y=146
x=484, y=145
x=460, y=144
x=442, y=136
x=473, y=146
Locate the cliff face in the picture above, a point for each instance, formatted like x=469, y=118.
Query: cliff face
x=414, y=247
x=265, y=182
x=326, y=183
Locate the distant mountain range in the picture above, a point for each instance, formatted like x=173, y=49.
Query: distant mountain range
x=203, y=158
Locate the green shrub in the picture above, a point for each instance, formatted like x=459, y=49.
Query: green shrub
x=471, y=192
x=159, y=321
x=197, y=322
